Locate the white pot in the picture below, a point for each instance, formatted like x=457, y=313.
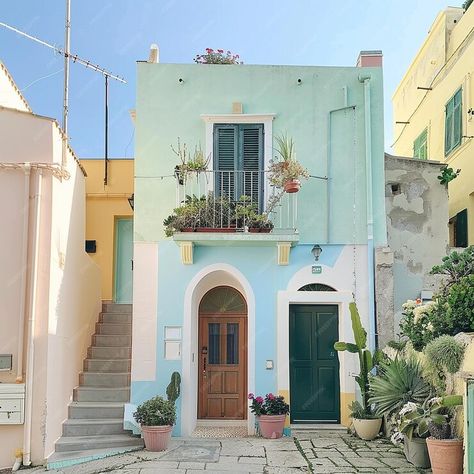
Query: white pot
x=367, y=429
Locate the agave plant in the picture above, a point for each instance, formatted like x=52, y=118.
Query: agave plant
x=397, y=383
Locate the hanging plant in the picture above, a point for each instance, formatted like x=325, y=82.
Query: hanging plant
x=285, y=171
x=196, y=162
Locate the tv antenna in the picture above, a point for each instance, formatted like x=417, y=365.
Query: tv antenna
x=87, y=64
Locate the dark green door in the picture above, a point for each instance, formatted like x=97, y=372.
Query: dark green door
x=314, y=365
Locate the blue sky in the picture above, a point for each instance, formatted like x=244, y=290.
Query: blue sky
x=117, y=33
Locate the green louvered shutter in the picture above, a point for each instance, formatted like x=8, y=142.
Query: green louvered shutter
x=460, y=230
x=251, y=162
x=453, y=123
x=225, y=159
x=420, y=145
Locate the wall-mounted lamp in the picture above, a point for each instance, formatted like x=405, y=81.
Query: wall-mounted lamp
x=131, y=200
x=316, y=251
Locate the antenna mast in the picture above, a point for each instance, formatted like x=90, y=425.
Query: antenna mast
x=66, y=78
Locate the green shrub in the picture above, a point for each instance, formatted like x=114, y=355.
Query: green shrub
x=156, y=412
x=397, y=383
x=417, y=323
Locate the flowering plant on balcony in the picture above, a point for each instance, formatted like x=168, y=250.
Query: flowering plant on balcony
x=270, y=405
x=218, y=56
x=285, y=171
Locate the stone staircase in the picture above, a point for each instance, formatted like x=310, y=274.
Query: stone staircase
x=94, y=428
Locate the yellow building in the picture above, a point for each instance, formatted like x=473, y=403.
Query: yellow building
x=109, y=225
x=434, y=112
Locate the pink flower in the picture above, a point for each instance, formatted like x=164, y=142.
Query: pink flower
x=270, y=396
x=259, y=400
x=220, y=51
x=251, y=396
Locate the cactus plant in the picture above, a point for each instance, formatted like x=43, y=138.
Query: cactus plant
x=367, y=361
x=173, y=390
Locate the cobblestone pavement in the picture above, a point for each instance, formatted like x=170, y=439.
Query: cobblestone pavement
x=338, y=452
x=320, y=451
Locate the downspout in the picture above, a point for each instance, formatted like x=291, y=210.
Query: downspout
x=365, y=79
x=31, y=324
x=24, y=272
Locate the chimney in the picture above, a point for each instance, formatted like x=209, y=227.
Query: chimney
x=370, y=59
x=154, y=54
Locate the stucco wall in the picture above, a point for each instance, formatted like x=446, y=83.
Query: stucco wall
x=68, y=289
x=168, y=109
x=445, y=63
x=104, y=205
x=417, y=226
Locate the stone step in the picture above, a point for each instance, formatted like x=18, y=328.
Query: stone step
x=104, y=379
x=94, y=410
x=122, y=318
x=101, y=340
x=93, y=427
x=101, y=394
x=109, y=353
x=114, y=328
x=59, y=460
x=81, y=443
x=116, y=308
x=107, y=365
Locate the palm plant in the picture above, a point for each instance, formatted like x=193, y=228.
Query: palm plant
x=397, y=383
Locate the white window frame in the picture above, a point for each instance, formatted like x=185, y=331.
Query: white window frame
x=235, y=119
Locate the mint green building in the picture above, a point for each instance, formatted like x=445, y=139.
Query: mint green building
x=237, y=311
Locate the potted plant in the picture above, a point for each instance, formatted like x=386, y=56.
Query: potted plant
x=285, y=171
x=271, y=414
x=435, y=418
x=157, y=417
x=247, y=216
x=366, y=422
x=414, y=429
x=196, y=163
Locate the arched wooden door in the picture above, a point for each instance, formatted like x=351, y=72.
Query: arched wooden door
x=222, y=355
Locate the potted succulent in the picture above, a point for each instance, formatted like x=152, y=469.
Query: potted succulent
x=247, y=216
x=285, y=171
x=366, y=422
x=271, y=414
x=445, y=450
x=157, y=416
x=414, y=429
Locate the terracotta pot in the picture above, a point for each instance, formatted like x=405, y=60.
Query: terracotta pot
x=256, y=230
x=156, y=438
x=367, y=429
x=416, y=452
x=215, y=229
x=292, y=186
x=446, y=455
x=271, y=426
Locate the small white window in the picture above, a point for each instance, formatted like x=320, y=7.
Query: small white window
x=172, y=342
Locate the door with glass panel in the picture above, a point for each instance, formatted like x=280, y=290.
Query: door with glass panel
x=223, y=355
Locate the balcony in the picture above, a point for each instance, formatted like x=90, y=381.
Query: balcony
x=232, y=208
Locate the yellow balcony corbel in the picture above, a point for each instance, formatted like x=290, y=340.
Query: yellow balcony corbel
x=186, y=252
x=283, y=250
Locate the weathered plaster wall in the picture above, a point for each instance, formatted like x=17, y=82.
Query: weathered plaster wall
x=417, y=225
x=444, y=63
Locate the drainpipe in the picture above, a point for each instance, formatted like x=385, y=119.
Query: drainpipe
x=31, y=325
x=365, y=79
x=24, y=272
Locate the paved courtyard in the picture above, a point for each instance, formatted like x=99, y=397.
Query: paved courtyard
x=322, y=451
